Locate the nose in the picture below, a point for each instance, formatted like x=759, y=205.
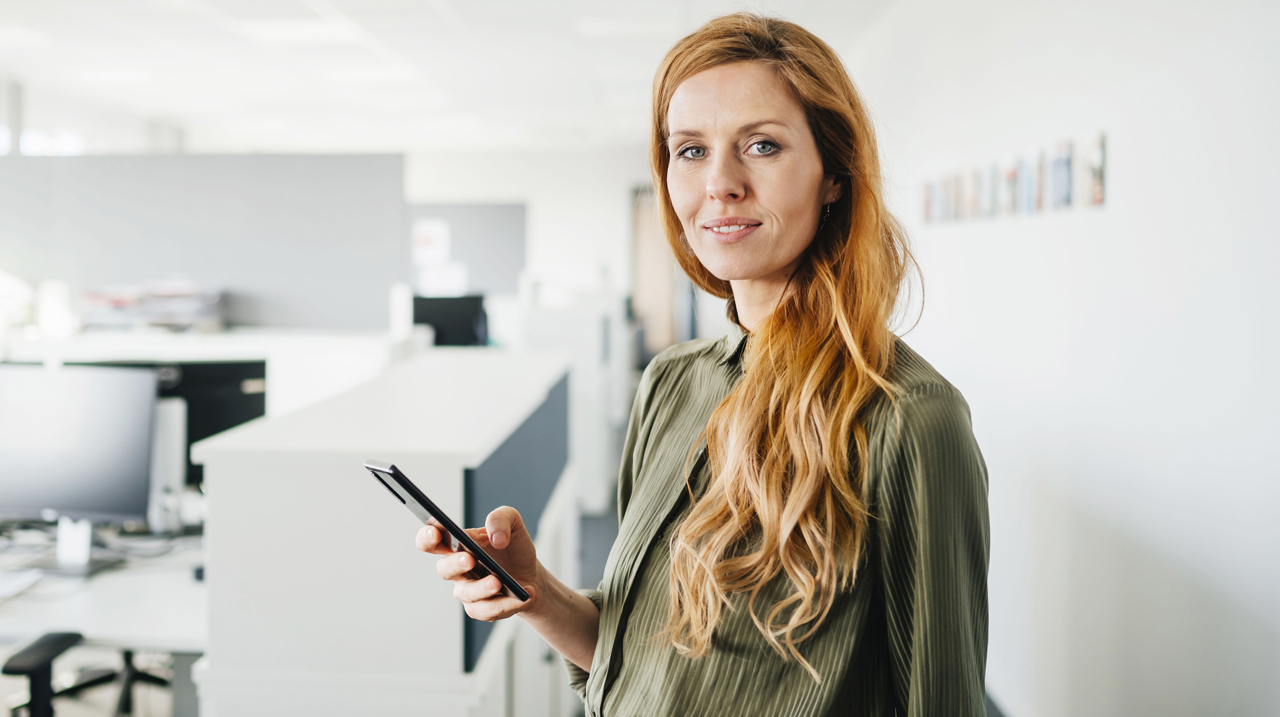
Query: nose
x=726, y=180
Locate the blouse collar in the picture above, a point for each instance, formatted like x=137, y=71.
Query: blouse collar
x=733, y=344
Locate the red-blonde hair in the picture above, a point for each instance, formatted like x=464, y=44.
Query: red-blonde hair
x=787, y=447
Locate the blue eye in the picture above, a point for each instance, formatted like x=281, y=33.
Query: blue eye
x=763, y=148
x=693, y=153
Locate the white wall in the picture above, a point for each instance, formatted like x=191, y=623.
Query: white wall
x=579, y=204
x=306, y=241
x=1120, y=361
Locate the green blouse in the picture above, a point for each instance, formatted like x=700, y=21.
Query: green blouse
x=909, y=638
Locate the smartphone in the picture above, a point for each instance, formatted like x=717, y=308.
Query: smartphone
x=429, y=513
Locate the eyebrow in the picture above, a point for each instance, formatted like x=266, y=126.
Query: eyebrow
x=749, y=127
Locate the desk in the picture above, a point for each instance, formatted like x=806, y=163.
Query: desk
x=303, y=367
x=151, y=604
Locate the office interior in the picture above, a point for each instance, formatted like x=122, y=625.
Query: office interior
x=246, y=246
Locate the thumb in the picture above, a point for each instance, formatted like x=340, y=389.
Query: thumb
x=501, y=524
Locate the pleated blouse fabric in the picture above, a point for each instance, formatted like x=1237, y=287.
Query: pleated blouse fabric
x=908, y=638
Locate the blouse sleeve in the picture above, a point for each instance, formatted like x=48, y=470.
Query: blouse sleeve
x=577, y=675
x=932, y=525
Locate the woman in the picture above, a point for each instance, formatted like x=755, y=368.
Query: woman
x=802, y=504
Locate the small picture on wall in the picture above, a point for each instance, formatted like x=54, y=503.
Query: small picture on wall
x=933, y=202
x=1009, y=203
x=974, y=208
x=1026, y=187
x=1060, y=176
x=1098, y=171
x=982, y=187
x=993, y=191
x=1040, y=180
x=949, y=198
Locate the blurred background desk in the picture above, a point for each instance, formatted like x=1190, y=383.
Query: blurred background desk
x=301, y=367
x=152, y=604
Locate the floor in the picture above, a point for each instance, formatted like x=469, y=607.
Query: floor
x=148, y=701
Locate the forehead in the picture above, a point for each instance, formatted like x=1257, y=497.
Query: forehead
x=726, y=97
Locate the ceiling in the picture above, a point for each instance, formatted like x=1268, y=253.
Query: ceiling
x=372, y=75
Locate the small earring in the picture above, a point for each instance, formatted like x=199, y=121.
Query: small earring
x=826, y=212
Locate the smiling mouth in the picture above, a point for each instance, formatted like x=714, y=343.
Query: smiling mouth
x=730, y=230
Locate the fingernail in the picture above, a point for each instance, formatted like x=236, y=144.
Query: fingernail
x=499, y=537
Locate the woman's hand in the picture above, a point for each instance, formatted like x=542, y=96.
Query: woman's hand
x=506, y=540
x=568, y=621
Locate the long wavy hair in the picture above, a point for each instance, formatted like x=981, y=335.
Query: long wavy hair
x=787, y=447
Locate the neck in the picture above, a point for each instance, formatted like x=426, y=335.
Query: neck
x=755, y=299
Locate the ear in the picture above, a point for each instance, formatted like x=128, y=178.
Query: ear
x=831, y=189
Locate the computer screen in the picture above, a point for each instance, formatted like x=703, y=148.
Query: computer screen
x=458, y=321
x=75, y=440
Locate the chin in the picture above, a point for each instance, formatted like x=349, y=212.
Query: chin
x=726, y=269
x=725, y=272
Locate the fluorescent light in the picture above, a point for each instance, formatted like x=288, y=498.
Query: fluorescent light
x=301, y=31
x=21, y=36
x=115, y=76
x=375, y=75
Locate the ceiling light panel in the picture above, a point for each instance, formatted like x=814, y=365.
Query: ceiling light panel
x=21, y=36
x=250, y=9
x=300, y=32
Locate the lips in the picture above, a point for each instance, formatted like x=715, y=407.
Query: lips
x=729, y=229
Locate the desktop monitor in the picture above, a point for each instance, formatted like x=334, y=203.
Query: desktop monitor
x=75, y=440
x=457, y=320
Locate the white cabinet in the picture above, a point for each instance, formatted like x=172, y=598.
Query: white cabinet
x=318, y=602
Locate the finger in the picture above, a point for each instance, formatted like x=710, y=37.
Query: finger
x=433, y=538
x=498, y=607
x=468, y=591
x=429, y=541
x=455, y=565
x=501, y=524
x=480, y=535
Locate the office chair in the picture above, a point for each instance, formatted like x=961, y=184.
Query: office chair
x=36, y=661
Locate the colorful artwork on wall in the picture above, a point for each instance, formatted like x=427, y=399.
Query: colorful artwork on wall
x=1029, y=184
x=1098, y=171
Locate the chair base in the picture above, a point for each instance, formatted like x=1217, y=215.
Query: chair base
x=126, y=678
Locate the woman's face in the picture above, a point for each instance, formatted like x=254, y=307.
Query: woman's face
x=745, y=176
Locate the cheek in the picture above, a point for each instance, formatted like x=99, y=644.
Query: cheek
x=686, y=195
x=795, y=195
x=797, y=207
